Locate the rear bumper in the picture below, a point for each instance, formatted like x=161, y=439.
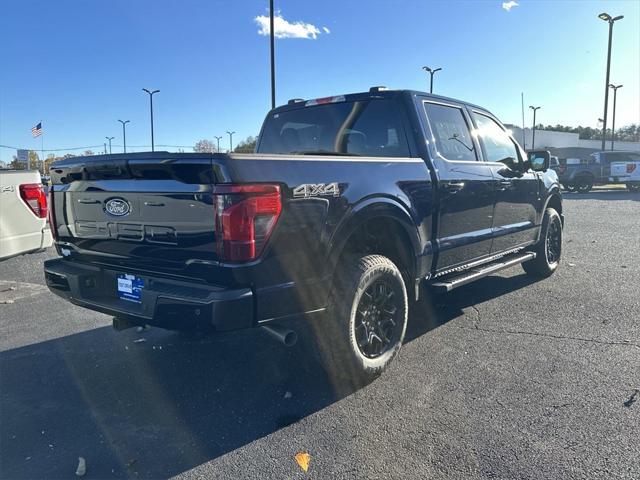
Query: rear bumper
x=166, y=303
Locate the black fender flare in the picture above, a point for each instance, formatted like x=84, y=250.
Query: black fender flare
x=365, y=210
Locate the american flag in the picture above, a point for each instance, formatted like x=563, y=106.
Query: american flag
x=36, y=130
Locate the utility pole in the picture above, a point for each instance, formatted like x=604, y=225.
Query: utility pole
x=231, y=140
x=607, y=18
x=124, y=135
x=109, y=138
x=273, y=55
x=533, y=140
x=524, y=133
x=431, y=72
x=613, y=125
x=151, y=106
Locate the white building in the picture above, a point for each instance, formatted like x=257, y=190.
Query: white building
x=551, y=139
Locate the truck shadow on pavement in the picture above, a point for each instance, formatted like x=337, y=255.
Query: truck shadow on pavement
x=164, y=405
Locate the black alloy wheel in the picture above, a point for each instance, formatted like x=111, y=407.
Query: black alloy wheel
x=376, y=319
x=554, y=240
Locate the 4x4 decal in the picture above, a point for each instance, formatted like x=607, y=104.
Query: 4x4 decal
x=307, y=190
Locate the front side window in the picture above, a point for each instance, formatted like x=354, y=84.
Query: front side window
x=496, y=142
x=451, y=132
x=371, y=128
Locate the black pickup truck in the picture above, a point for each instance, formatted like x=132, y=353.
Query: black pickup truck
x=349, y=205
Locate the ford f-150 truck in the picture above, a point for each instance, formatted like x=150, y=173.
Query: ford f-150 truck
x=348, y=206
x=581, y=177
x=628, y=172
x=23, y=213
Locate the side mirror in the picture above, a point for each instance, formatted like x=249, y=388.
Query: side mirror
x=539, y=160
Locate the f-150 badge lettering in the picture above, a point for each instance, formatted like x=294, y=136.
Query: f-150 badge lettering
x=307, y=190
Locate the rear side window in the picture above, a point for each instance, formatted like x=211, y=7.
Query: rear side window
x=451, y=132
x=371, y=128
x=496, y=142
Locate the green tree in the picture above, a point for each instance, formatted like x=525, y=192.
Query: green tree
x=34, y=160
x=15, y=165
x=248, y=145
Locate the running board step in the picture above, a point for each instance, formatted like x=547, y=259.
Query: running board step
x=449, y=283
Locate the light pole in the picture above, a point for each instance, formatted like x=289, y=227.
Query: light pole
x=109, y=138
x=607, y=18
x=124, y=135
x=273, y=56
x=613, y=124
x=533, y=140
x=151, y=106
x=218, y=139
x=231, y=140
x=432, y=73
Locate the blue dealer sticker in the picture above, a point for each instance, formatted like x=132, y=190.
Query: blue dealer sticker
x=130, y=288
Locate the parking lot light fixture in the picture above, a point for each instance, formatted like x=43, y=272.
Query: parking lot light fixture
x=151, y=92
x=109, y=138
x=613, y=123
x=607, y=18
x=533, y=140
x=231, y=140
x=431, y=72
x=218, y=140
x=124, y=135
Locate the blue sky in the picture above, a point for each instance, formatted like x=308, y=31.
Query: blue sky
x=80, y=65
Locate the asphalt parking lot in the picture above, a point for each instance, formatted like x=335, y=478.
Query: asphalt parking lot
x=504, y=378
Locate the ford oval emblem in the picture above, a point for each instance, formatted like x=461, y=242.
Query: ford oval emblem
x=118, y=207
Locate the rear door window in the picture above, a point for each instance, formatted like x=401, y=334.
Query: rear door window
x=372, y=128
x=451, y=132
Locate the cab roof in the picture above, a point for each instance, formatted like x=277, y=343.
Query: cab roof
x=374, y=92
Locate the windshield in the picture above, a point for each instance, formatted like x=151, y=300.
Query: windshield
x=371, y=128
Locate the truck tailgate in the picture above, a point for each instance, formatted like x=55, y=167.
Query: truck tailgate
x=153, y=212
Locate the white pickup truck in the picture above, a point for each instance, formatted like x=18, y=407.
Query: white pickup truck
x=628, y=173
x=23, y=213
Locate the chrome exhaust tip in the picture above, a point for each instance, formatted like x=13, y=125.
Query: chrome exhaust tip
x=286, y=336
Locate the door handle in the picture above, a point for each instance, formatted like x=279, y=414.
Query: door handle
x=88, y=201
x=454, y=186
x=504, y=184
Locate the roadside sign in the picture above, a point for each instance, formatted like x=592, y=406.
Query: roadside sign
x=23, y=156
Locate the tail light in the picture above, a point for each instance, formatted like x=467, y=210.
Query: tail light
x=33, y=195
x=52, y=216
x=631, y=167
x=245, y=216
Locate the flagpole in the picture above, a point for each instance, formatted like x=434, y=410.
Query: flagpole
x=42, y=146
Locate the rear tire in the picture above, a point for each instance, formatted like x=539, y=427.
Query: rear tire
x=548, y=250
x=367, y=320
x=583, y=184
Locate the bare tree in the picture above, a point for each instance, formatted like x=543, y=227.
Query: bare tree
x=204, y=146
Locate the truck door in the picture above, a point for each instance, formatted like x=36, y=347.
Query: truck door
x=517, y=188
x=465, y=186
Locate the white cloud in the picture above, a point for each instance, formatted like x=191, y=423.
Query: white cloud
x=286, y=29
x=509, y=5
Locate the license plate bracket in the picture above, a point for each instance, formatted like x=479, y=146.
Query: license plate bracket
x=129, y=287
